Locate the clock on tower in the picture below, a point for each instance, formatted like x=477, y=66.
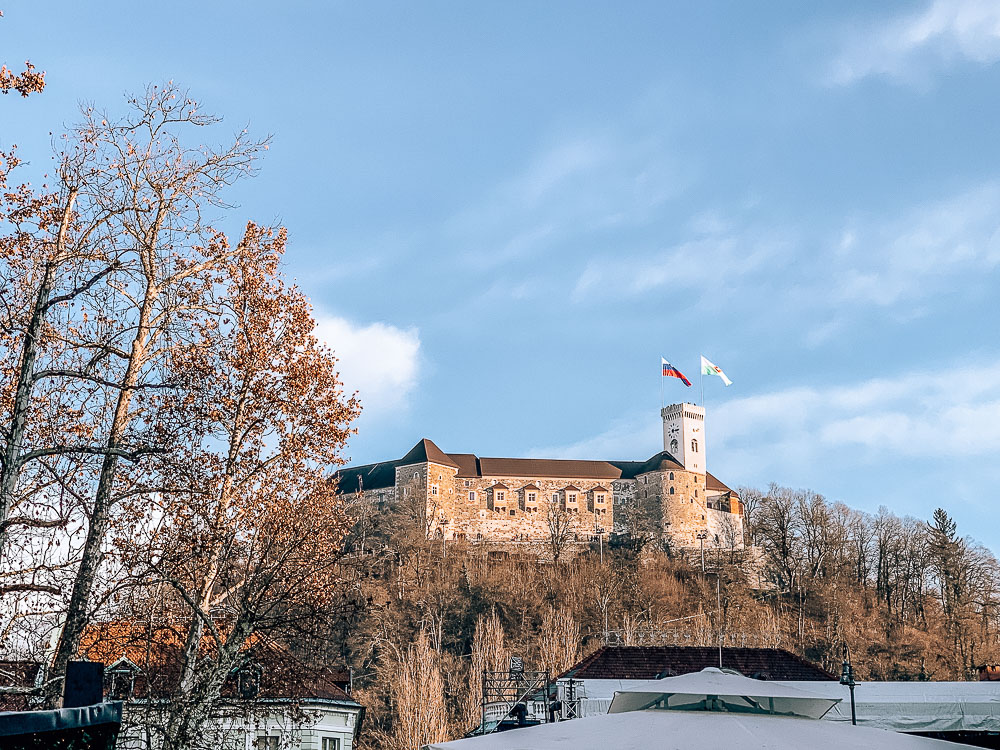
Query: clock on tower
x=684, y=435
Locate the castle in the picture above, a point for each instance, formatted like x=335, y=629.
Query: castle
x=465, y=496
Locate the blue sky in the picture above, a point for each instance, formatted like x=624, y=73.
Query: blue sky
x=506, y=212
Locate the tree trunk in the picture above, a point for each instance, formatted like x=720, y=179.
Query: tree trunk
x=10, y=470
x=77, y=616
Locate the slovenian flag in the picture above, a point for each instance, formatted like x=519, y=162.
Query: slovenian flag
x=707, y=368
x=669, y=371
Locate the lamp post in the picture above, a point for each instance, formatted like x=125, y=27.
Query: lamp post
x=847, y=678
x=702, y=535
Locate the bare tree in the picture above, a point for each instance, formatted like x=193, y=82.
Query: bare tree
x=417, y=695
x=558, y=641
x=251, y=538
x=489, y=654
x=560, y=525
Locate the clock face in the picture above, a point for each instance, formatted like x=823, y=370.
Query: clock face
x=674, y=430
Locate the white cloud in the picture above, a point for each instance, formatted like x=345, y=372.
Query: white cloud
x=378, y=360
x=944, y=414
x=908, y=257
x=581, y=184
x=952, y=413
x=904, y=48
x=706, y=263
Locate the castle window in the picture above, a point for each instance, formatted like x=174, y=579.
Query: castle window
x=671, y=490
x=472, y=496
x=571, y=497
x=467, y=483
x=694, y=446
x=599, y=498
x=434, y=489
x=671, y=476
x=531, y=497
x=696, y=493
x=512, y=512
x=555, y=497
x=501, y=496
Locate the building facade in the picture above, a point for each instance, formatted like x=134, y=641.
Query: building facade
x=465, y=496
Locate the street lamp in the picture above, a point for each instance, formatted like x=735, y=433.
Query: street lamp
x=847, y=678
x=702, y=536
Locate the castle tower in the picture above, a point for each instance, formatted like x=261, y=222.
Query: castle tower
x=684, y=435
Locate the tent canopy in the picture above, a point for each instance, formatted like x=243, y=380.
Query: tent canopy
x=714, y=690
x=693, y=730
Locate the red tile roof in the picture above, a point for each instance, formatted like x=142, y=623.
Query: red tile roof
x=653, y=662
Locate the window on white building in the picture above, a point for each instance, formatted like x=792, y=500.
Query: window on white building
x=268, y=742
x=694, y=446
x=330, y=743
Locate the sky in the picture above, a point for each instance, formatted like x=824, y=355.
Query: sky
x=505, y=213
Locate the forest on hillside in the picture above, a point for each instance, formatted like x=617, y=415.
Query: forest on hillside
x=910, y=599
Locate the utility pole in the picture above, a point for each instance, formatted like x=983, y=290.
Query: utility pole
x=718, y=604
x=701, y=539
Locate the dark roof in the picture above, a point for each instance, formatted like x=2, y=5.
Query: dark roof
x=713, y=483
x=571, y=488
x=654, y=662
x=662, y=461
x=548, y=467
x=425, y=451
x=383, y=474
x=531, y=486
x=500, y=486
x=368, y=477
x=599, y=488
x=468, y=464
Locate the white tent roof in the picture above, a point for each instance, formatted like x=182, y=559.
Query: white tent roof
x=693, y=730
x=713, y=689
x=916, y=706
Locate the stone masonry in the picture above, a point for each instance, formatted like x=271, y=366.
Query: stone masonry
x=511, y=500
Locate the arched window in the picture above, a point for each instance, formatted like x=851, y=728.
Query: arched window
x=671, y=476
x=694, y=446
x=671, y=490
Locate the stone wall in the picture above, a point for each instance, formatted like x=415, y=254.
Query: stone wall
x=519, y=509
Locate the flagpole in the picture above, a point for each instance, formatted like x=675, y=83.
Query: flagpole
x=661, y=387
x=702, y=387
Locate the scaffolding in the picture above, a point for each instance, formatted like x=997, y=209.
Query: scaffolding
x=515, y=698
